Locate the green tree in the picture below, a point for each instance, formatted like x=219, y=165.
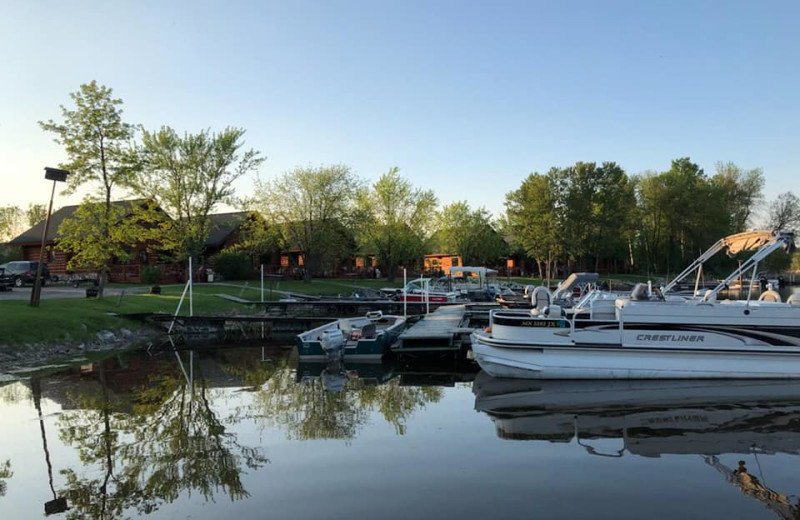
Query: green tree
x=189, y=176
x=394, y=220
x=100, y=151
x=742, y=192
x=531, y=217
x=471, y=233
x=35, y=213
x=784, y=212
x=11, y=222
x=311, y=206
x=96, y=234
x=650, y=193
x=592, y=204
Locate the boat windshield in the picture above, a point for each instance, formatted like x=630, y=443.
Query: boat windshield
x=590, y=297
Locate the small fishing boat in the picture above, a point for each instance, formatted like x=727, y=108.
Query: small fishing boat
x=363, y=338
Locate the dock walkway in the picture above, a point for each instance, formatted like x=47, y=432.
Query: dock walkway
x=443, y=330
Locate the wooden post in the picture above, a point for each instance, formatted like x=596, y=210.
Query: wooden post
x=37, y=284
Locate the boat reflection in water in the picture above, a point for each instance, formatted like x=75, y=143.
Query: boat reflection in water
x=654, y=418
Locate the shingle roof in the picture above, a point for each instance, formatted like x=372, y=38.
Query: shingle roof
x=222, y=225
x=34, y=234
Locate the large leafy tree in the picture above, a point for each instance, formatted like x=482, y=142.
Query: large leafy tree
x=531, y=217
x=741, y=190
x=394, y=220
x=312, y=206
x=784, y=212
x=189, y=176
x=471, y=233
x=35, y=213
x=100, y=154
x=125, y=224
x=11, y=222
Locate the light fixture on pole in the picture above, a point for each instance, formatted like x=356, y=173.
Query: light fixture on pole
x=55, y=175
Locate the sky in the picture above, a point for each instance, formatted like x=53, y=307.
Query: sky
x=466, y=98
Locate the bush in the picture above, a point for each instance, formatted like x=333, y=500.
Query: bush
x=150, y=274
x=233, y=265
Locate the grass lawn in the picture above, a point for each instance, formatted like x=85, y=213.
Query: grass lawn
x=80, y=319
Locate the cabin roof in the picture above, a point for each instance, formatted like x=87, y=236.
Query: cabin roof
x=222, y=225
x=34, y=234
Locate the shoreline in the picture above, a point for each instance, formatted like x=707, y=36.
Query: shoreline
x=28, y=357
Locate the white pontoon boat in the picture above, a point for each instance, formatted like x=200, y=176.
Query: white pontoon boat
x=654, y=334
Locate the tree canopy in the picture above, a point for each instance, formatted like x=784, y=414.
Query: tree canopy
x=189, y=176
x=313, y=207
x=394, y=220
x=101, y=153
x=471, y=233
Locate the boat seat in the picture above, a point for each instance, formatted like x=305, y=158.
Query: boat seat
x=793, y=300
x=553, y=311
x=369, y=331
x=770, y=296
x=604, y=314
x=710, y=296
x=639, y=292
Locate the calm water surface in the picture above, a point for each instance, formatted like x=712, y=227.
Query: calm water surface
x=246, y=433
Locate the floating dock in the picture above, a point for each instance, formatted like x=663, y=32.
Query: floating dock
x=446, y=330
x=334, y=308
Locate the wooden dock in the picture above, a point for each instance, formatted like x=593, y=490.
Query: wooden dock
x=446, y=330
x=333, y=308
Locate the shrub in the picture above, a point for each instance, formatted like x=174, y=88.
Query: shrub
x=150, y=274
x=233, y=265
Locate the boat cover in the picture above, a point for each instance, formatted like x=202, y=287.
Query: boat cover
x=746, y=241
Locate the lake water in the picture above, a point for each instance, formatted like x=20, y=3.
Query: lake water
x=247, y=433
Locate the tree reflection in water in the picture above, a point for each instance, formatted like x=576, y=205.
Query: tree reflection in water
x=307, y=410
x=5, y=474
x=151, y=444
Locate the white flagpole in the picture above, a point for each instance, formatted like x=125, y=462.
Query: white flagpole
x=191, y=282
x=405, y=296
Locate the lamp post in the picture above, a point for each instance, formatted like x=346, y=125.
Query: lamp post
x=55, y=175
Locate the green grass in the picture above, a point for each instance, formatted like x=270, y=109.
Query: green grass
x=80, y=319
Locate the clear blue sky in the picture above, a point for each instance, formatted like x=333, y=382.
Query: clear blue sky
x=467, y=98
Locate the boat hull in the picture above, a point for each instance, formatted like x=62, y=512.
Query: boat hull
x=618, y=362
x=365, y=349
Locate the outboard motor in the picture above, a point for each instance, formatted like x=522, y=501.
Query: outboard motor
x=332, y=343
x=333, y=377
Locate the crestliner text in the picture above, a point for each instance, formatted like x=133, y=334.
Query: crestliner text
x=670, y=337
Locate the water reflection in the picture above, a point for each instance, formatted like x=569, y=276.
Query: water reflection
x=148, y=430
x=148, y=438
x=655, y=418
x=5, y=474
x=334, y=401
